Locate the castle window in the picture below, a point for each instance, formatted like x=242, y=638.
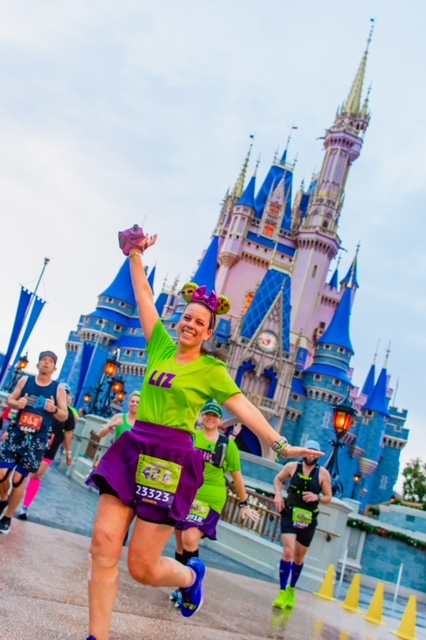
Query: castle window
x=128, y=352
x=314, y=271
x=322, y=325
x=327, y=346
x=141, y=354
x=121, y=304
x=117, y=327
x=341, y=350
x=173, y=325
x=110, y=299
x=337, y=382
x=317, y=377
x=99, y=321
x=369, y=414
x=295, y=397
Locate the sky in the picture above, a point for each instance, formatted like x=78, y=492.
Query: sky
x=141, y=112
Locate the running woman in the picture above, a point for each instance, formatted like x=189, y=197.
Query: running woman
x=221, y=456
x=122, y=422
x=153, y=470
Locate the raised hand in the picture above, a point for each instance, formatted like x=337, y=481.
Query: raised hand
x=135, y=239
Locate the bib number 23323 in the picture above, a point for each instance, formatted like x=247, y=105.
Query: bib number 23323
x=157, y=481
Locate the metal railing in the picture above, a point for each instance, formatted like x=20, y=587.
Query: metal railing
x=268, y=525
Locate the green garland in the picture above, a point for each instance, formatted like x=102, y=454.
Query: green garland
x=384, y=533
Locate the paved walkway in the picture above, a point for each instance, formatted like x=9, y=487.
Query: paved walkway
x=43, y=588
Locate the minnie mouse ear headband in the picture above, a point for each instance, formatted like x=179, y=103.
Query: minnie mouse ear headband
x=218, y=305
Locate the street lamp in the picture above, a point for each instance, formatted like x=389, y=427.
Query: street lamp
x=110, y=369
x=357, y=480
x=115, y=386
x=17, y=372
x=344, y=418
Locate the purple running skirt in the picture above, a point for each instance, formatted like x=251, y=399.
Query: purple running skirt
x=207, y=526
x=119, y=465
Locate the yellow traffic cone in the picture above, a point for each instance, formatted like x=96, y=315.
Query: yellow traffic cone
x=407, y=628
x=351, y=602
x=327, y=587
x=375, y=612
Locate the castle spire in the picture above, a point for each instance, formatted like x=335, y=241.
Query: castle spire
x=370, y=380
x=239, y=185
x=353, y=101
x=337, y=332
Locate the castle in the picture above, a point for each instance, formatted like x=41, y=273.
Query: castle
x=288, y=332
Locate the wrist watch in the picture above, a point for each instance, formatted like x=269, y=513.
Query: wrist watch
x=56, y=411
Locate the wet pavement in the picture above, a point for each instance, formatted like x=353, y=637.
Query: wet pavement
x=43, y=588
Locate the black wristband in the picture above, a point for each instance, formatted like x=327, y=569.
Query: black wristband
x=244, y=504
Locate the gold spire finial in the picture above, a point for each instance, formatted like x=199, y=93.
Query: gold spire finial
x=239, y=186
x=353, y=102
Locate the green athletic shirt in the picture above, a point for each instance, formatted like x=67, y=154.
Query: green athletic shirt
x=173, y=394
x=213, y=491
x=126, y=426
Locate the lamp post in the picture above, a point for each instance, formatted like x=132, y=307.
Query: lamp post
x=115, y=386
x=343, y=421
x=20, y=366
x=111, y=367
x=357, y=480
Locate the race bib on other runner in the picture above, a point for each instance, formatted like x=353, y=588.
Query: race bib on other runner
x=199, y=512
x=157, y=481
x=30, y=422
x=302, y=518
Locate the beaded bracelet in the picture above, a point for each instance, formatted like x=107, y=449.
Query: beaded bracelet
x=280, y=445
x=135, y=253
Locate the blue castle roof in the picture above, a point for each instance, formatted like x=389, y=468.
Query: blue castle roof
x=247, y=199
x=121, y=287
x=337, y=332
x=272, y=284
x=368, y=387
x=206, y=272
x=378, y=400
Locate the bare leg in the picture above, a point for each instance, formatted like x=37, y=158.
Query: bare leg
x=191, y=539
x=5, y=485
x=16, y=495
x=146, y=564
x=179, y=543
x=112, y=522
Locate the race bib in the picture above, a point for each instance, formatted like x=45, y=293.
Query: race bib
x=302, y=518
x=199, y=512
x=157, y=481
x=30, y=422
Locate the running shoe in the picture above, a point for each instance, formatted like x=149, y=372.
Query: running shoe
x=291, y=597
x=176, y=597
x=5, y=525
x=3, y=505
x=281, y=601
x=91, y=638
x=193, y=597
x=24, y=514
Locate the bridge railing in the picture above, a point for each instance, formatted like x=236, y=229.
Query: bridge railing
x=268, y=525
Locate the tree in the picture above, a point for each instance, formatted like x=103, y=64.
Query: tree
x=414, y=486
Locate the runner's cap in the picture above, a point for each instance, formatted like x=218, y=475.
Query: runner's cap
x=312, y=444
x=213, y=407
x=48, y=354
